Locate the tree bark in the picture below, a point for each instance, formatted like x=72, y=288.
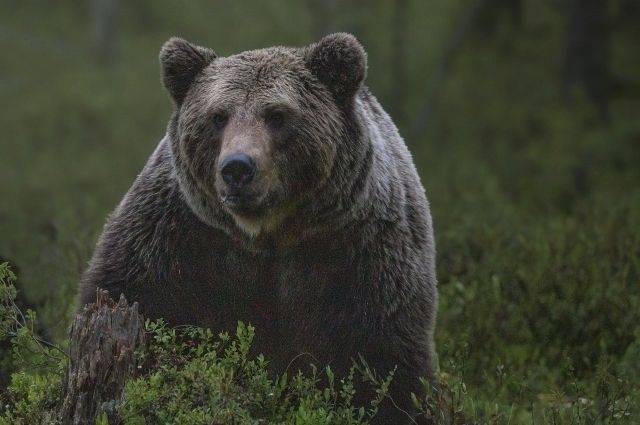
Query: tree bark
x=399, y=32
x=102, y=344
x=587, y=54
x=104, y=14
x=450, y=51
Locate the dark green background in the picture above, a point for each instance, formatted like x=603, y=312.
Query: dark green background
x=523, y=117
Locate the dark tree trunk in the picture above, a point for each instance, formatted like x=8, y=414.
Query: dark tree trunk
x=587, y=52
x=103, y=340
x=399, y=32
x=104, y=14
x=497, y=10
x=450, y=50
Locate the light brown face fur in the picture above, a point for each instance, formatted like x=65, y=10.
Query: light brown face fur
x=288, y=112
x=264, y=104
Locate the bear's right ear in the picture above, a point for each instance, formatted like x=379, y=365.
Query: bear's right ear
x=181, y=62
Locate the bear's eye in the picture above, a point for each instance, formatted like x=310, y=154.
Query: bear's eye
x=220, y=119
x=275, y=119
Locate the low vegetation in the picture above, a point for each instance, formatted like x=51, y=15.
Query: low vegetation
x=190, y=376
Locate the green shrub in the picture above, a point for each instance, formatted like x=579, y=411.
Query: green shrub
x=32, y=392
x=189, y=377
x=196, y=378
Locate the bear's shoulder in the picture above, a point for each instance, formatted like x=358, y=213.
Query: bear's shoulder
x=137, y=235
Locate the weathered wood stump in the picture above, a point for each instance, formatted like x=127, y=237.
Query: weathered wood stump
x=102, y=344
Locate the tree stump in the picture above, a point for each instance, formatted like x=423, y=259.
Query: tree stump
x=102, y=344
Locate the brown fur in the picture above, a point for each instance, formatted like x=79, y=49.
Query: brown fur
x=332, y=254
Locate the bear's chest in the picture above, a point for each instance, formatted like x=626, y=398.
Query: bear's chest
x=306, y=301
x=219, y=283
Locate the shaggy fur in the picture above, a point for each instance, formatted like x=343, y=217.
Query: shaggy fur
x=332, y=254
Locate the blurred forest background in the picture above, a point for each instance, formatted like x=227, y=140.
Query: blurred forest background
x=523, y=117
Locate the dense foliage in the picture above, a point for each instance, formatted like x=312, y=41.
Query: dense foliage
x=197, y=379
x=535, y=191
x=187, y=376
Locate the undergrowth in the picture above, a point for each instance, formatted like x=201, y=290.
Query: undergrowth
x=191, y=376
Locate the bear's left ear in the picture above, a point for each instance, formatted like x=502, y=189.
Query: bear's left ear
x=340, y=63
x=181, y=62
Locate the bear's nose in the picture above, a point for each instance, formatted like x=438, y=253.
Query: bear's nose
x=237, y=170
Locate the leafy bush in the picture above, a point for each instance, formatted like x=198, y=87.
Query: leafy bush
x=195, y=378
x=189, y=377
x=29, y=397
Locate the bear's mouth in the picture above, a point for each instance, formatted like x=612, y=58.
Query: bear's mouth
x=242, y=204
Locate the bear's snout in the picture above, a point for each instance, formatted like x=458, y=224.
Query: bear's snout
x=237, y=171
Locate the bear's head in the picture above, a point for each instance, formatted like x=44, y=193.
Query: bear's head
x=262, y=135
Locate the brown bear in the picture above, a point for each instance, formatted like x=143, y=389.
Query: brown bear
x=282, y=195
